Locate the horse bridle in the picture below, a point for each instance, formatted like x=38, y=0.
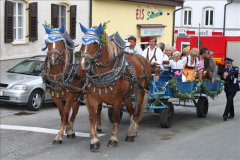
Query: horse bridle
x=56, y=51
x=97, y=54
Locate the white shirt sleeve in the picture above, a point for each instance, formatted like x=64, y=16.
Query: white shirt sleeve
x=139, y=50
x=184, y=61
x=159, y=56
x=144, y=53
x=170, y=64
x=180, y=64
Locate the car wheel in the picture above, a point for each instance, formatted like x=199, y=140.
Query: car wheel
x=35, y=101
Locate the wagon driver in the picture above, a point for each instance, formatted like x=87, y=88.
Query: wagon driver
x=231, y=87
x=155, y=56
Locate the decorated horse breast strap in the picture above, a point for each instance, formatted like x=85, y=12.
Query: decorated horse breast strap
x=111, y=76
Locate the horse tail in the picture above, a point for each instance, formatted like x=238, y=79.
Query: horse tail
x=142, y=108
x=86, y=102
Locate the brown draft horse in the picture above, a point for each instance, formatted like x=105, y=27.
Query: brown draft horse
x=112, y=93
x=59, y=70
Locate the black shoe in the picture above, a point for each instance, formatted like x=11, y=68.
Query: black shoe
x=225, y=118
x=230, y=117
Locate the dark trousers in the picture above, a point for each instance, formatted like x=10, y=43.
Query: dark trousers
x=229, y=106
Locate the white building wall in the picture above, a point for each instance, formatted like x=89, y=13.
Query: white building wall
x=232, y=16
x=9, y=53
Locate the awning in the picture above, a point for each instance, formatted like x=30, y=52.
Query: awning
x=150, y=26
x=151, y=29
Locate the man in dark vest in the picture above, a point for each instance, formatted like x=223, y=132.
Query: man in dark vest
x=231, y=87
x=155, y=56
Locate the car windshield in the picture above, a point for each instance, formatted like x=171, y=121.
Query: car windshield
x=28, y=67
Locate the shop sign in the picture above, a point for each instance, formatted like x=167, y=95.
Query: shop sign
x=139, y=14
x=152, y=31
x=152, y=15
x=204, y=32
x=182, y=32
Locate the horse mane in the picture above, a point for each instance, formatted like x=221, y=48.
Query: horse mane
x=111, y=47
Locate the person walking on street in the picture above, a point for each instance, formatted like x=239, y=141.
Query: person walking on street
x=231, y=87
x=133, y=48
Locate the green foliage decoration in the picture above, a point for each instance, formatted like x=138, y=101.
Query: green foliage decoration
x=48, y=25
x=104, y=27
x=77, y=54
x=200, y=86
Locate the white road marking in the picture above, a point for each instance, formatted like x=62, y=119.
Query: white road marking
x=42, y=130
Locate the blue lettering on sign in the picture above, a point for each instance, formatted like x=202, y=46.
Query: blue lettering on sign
x=152, y=15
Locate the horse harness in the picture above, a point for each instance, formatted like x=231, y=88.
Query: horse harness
x=69, y=70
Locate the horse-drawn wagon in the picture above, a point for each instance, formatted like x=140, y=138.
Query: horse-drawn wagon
x=161, y=91
x=108, y=74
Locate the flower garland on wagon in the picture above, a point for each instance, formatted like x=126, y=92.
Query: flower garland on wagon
x=190, y=96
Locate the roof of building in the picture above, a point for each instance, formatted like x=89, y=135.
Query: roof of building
x=160, y=2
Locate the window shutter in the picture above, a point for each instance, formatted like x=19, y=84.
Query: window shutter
x=33, y=21
x=73, y=17
x=54, y=15
x=9, y=18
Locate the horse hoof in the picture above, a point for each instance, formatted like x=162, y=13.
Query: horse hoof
x=99, y=130
x=95, y=147
x=130, y=138
x=71, y=136
x=112, y=143
x=57, y=142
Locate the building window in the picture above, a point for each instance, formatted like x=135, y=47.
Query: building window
x=62, y=15
x=209, y=13
x=19, y=21
x=187, y=17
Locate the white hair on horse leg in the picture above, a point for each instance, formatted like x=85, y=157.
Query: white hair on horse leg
x=133, y=128
x=58, y=137
x=69, y=132
x=94, y=140
x=113, y=138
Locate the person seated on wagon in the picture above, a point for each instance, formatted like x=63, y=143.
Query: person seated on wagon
x=168, y=51
x=176, y=66
x=161, y=46
x=190, y=64
x=204, y=65
x=166, y=57
x=155, y=56
x=133, y=48
x=185, y=52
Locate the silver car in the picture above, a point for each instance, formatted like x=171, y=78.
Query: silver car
x=22, y=84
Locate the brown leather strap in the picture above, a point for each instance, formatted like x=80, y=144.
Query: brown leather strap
x=154, y=55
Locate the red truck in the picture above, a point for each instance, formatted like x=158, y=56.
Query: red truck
x=222, y=46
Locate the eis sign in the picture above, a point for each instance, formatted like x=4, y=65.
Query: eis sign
x=150, y=14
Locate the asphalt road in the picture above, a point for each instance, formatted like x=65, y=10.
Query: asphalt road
x=189, y=138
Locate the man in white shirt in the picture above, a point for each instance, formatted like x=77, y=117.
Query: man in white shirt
x=133, y=48
x=155, y=56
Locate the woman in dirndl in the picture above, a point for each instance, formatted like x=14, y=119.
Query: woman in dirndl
x=176, y=66
x=190, y=64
